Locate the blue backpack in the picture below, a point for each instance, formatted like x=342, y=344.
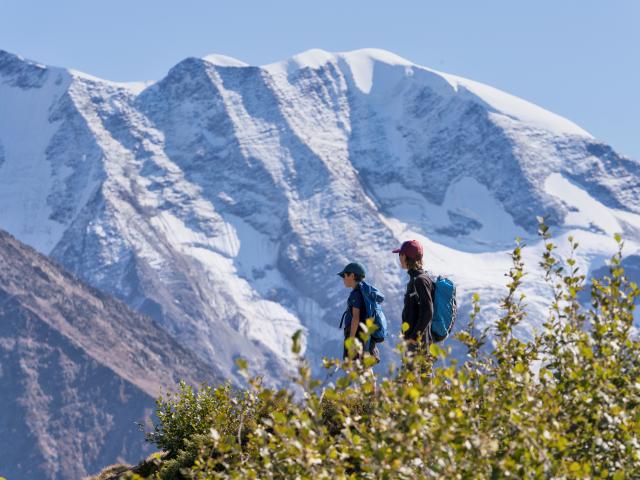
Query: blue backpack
x=444, y=308
x=372, y=300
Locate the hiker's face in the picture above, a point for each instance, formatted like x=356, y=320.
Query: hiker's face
x=349, y=280
x=403, y=260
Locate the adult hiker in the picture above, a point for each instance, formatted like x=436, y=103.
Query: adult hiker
x=363, y=303
x=418, y=299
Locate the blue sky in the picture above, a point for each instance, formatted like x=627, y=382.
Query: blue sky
x=578, y=58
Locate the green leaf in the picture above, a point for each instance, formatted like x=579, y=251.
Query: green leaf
x=436, y=351
x=369, y=361
x=586, y=352
x=295, y=347
x=343, y=382
x=280, y=417
x=242, y=363
x=414, y=393
x=575, y=467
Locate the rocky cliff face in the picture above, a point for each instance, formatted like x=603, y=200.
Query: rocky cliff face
x=77, y=370
x=222, y=199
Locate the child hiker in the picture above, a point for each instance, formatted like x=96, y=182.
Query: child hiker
x=363, y=303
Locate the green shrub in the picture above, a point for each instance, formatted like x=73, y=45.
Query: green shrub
x=187, y=413
x=564, y=405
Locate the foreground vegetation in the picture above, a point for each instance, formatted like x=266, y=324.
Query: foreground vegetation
x=563, y=405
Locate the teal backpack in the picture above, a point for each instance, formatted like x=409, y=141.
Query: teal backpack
x=372, y=300
x=445, y=308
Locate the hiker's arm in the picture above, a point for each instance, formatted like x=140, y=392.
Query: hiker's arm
x=355, y=322
x=425, y=309
x=410, y=336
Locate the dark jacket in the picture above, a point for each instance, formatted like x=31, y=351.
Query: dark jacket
x=418, y=305
x=355, y=300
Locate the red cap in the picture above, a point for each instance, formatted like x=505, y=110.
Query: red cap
x=411, y=248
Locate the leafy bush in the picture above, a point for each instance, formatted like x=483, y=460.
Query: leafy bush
x=564, y=405
x=187, y=413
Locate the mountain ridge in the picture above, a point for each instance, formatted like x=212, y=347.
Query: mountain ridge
x=222, y=199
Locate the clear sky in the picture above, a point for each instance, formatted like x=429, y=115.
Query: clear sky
x=578, y=58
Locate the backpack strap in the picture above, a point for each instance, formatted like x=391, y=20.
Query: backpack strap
x=413, y=285
x=415, y=290
x=342, y=319
x=364, y=306
x=415, y=293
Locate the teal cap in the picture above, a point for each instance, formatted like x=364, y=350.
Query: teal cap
x=354, y=267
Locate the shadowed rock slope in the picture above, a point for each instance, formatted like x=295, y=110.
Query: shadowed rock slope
x=77, y=370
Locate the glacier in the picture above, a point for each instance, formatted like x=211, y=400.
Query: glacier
x=222, y=199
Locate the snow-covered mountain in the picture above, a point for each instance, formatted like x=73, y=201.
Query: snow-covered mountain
x=222, y=199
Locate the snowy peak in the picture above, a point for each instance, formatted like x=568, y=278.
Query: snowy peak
x=377, y=70
x=18, y=72
x=517, y=108
x=312, y=58
x=317, y=58
x=359, y=63
x=377, y=55
x=369, y=68
x=224, y=61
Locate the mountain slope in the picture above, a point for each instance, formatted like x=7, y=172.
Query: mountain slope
x=222, y=199
x=77, y=369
